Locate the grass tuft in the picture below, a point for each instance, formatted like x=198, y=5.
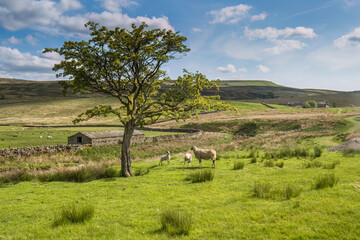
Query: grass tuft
x=141, y=171
x=238, y=165
x=291, y=191
x=73, y=214
x=263, y=190
x=202, y=175
x=327, y=180
x=176, y=222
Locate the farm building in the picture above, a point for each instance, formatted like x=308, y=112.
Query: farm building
x=103, y=138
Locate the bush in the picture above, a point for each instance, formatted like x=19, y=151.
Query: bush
x=175, y=222
x=291, y=191
x=317, y=152
x=327, y=180
x=201, y=176
x=239, y=165
x=279, y=164
x=263, y=190
x=74, y=214
x=141, y=171
x=268, y=163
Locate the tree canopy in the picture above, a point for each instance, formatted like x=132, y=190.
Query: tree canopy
x=126, y=64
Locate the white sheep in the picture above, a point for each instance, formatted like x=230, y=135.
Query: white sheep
x=204, y=154
x=49, y=137
x=166, y=157
x=40, y=137
x=187, y=158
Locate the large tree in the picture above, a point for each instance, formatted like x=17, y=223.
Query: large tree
x=126, y=64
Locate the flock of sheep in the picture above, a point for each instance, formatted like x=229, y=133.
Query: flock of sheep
x=199, y=154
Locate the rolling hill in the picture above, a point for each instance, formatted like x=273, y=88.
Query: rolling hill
x=16, y=90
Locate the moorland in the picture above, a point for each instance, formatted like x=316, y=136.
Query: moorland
x=273, y=179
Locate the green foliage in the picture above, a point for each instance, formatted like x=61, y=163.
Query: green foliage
x=341, y=137
x=331, y=165
x=263, y=190
x=312, y=164
x=350, y=152
x=325, y=181
x=238, y=165
x=202, y=175
x=141, y=171
x=268, y=163
x=73, y=214
x=268, y=190
x=279, y=164
x=291, y=191
x=317, y=152
x=310, y=104
x=175, y=222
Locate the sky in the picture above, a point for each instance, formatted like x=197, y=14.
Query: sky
x=296, y=43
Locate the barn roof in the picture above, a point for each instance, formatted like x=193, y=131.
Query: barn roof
x=108, y=134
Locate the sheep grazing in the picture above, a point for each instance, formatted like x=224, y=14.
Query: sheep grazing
x=187, y=158
x=49, y=137
x=204, y=154
x=166, y=157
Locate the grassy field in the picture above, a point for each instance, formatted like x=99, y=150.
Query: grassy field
x=276, y=193
x=224, y=208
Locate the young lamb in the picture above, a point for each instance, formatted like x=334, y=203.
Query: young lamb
x=49, y=137
x=204, y=154
x=187, y=158
x=166, y=157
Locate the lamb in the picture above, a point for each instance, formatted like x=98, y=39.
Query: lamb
x=166, y=157
x=204, y=154
x=49, y=137
x=187, y=158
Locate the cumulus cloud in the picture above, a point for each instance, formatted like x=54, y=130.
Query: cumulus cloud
x=228, y=69
x=116, y=5
x=348, y=40
x=51, y=17
x=282, y=46
x=258, y=17
x=263, y=69
x=271, y=33
x=30, y=39
x=12, y=40
x=14, y=61
x=231, y=14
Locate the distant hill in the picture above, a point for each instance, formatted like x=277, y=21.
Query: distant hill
x=17, y=90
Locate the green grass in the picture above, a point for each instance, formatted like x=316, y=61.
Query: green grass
x=73, y=214
x=225, y=208
x=175, y=222
x=202, y=175
x=15, y=136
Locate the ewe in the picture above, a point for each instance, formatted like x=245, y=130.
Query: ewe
x=166, y=157
x=204, y=154
x=187, y=158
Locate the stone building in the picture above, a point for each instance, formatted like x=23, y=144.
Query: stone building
x=103, y=138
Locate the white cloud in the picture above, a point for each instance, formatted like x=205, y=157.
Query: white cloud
x=12, y=40
x=229, y=68
x=231, y=14
x=271, y=33
x=13, y=61
x=116, y=5
x=30, y=39
x=348, y=40
x=258, y=17
x=51, y=17
x=282, y=46
x=197, y=30
x=263, y=69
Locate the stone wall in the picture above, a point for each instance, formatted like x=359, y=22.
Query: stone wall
x=29, y=151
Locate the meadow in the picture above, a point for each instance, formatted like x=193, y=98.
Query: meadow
x=273, y=179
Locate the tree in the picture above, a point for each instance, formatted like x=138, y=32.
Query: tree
x=126, y=64
x=310, y=104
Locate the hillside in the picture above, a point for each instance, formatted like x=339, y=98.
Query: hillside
x=15, y=90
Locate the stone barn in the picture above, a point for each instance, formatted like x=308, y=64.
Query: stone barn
x=103, y=138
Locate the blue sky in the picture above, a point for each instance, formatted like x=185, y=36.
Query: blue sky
x=297, y=43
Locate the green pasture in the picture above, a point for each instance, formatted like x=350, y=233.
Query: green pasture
x=225, y=208
x=15, y=136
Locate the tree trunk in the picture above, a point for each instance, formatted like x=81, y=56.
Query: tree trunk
x=125, y=149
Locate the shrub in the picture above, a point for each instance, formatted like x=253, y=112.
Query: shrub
x=141, y=171
x=201, y=176
x=327, y=180
x=317, y=152
x=331, y=165
x=263, y=190
x=239, y=165
x=291, y=191
x=279, y=164
x=74, y=214
x=268, y=163
x=176, y=222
